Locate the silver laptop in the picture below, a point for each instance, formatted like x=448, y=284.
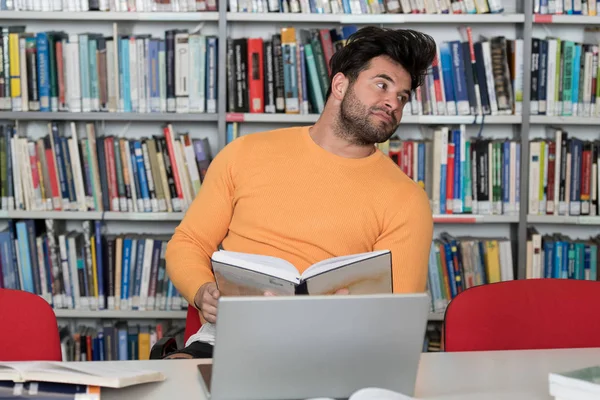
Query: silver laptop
x=298, y=347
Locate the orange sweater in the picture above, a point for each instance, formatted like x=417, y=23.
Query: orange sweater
x=278, y=193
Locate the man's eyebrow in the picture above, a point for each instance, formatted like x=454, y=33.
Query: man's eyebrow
x=385, y=76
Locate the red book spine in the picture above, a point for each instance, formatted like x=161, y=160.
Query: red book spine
x=256, y=83
x=327, y=45
x=112, y=173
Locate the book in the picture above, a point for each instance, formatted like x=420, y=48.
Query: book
x=242, y=274
x=583, y=383
x=114, y=375
x=47, y=391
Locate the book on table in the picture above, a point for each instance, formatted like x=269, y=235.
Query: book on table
x=103, y=374
x=243, y=274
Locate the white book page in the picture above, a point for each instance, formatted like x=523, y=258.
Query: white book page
x=240, y=281
x=366, y=276
x=337, y=262
x=87, y=373
x=268, y=265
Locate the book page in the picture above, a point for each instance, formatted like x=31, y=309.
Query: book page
x=236, y=281
x=267, y=265
x=88, y=373
x=336, y=262
x=368, y=276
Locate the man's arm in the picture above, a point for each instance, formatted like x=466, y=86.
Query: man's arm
x=408, y=236
x=204, y=226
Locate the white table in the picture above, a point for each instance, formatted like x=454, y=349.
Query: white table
x=502, y=375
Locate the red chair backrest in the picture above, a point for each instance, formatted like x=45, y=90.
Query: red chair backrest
x=524, y=314
x=29, y=328
x=192, y=323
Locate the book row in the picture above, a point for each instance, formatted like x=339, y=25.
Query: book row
x=288, y=72
x=67, y=171
x=114, y=341
x=459, y=263
x=563, y=175
x=110, y=5
x=59, y=71
x=564, y=78
x=369, y=6
x=568, y=7
x=462, y=175
x=87, y=270
x=562, y=257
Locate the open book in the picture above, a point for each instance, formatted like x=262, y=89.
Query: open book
x=114, y=375
x=242, y=274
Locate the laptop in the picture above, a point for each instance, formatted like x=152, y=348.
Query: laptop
x=300, y=347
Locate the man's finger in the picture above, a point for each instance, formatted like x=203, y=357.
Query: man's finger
x=210, y=318
x=343, y=291
x=209, y=309
x=267, y=293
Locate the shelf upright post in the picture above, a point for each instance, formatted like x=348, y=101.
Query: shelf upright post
x=524, y=139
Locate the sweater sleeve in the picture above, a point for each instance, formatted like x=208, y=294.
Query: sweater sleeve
x=204, y=226
x=408, y=235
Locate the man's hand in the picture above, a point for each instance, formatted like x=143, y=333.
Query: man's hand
x=206, y=299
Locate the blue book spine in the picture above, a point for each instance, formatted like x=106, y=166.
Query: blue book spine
x=154, y=76
x=290, y=77
x=434, y=277
x=558, y=260
x=548, y=258
x=25, y=257
x=84, y=71
x=99, y=265
x=139, y=260
x=458, y=187
x=593, y=262
x=506, y=174
x=586, y=262
x=43, y=60
x=564, y=269
x=60, y=165
x=6, y=261
x=125, y=271
x=422, y=162
x=450, y=269
x=123, y=356
x=575, y=79
x=14, y=249
x=68, y=167
x=124, y=74
x=460, y=83
x=92, y=65
x=139, y=159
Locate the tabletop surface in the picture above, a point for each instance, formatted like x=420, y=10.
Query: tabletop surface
x=497, y=375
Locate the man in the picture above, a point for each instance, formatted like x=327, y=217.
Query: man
x=309, y=193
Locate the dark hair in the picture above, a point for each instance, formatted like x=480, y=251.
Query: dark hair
x=413, y=50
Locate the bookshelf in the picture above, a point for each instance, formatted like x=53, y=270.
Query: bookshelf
x=518, y=21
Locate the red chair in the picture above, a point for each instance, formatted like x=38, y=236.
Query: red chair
x=192, y=323
x=524, y=314
x=29, y=328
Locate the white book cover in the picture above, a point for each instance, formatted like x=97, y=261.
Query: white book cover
x=551, y=77
x=182, y=72
x=72, y=70
x=162, y=77
x=489, y=76
x=77, y=169
x=534, y=178
x=146, y=270
x=66, y=272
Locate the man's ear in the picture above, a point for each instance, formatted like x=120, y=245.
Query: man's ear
x=339, y=85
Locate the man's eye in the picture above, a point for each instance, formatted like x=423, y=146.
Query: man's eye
x=382, y=85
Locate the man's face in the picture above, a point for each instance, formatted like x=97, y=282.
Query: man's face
x=371, y=109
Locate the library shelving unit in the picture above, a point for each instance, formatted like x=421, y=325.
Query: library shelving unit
x=519, y=18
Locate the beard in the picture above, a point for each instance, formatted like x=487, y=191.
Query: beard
x=355, y=125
